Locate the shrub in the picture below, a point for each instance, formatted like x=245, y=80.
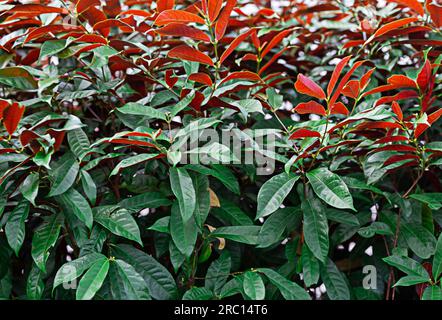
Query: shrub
x=215, y=149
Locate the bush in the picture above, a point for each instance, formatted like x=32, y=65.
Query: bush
x=215, y=149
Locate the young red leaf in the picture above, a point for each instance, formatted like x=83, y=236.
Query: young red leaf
x=163, y=5
x=336, y=73
x=245, y=75
x=214, y=8
x=307, y=86
x=390, y=26
x=424, y=76
x=310, y=107
x=201, y=78
x=188, y=53
x=403, y=95
x=351, y=89
x=36, y=9
x=435, y=10
x=365, y=79
x=12, y=116
x=275, y=41
x=223, y=20
x=397, y=110
x=83, y=5
x=412, y=4
x=304, y=133
x=235, y=43
x=3, y=105
x=182, y=30
x=344, y=80
x=339, y=108
x=401, y=81
x=171, y=80
x=272, y=60
x=177, y=16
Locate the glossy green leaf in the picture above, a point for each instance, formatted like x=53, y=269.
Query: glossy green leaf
x=335, y=282
x=92, y=280
x=254, y=286
x=15, y=227
x=126, y=283
x=289, y=290
x=182, y=187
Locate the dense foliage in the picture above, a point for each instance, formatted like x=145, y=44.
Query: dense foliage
x=97, y=99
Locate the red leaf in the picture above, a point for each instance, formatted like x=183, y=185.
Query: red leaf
x=201, y=78
x=351, y=89
x=214, y=8
x=188, y=53
x=235, y=43
x=401, y=157
x=272, y=60
x=401, y=81
x=339, y=108
x=396, y=147
x=275, y=41
x=336, y=73
x=112, y=23
x=246, y=75
x=378, y=125
x=343, y=81
x=163, y=5
x=307, y=86
x=412, y=4
x=397, y=110
x=131, y=142
x=391, y=139
x=58, y=28
x=407, y=94
x=170, y=80
x=12, y=116
x=366, y=79
x=435, y=10
x=223, y=20
x=83, y=5
x=179, y=16
x=386, y=87
x=182, y=30
x=310, y=107
x=35, y=9
x=390, y=26
x=424, y=76
x=304, y=133
x=3, y=105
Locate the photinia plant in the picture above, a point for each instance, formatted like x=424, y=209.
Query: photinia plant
x=218, y=149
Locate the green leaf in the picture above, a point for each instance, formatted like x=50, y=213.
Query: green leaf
x=375, y=227
x=74, y=202
x=409, y=266
x=45, y=238
x=202, y=198
x=119, y=222
x=243, y=234
x=218, y=273
x=89, y=187
x=126, y=283
x=131, y=161
x=140, y=110
x=184, y=233
x=254, y=286
x=64, y=176
x=342, y=217
x=330, y=188
x=15, y=227
x=288, y=289
x=92, y=280
x=184, y=191
x=145, y=200
x=29, y=187
x=52, y=47
x=421, y=241
x=432, y=293
x=161, y=225
x=315, y=227
x=75, y=268
x=79, y=143
x=437, y=259
x=335, y=282
x=409, y=281
x=433, y=200
x=274, y=227
x=34, y=284
x=310, y=267
x=160, y=282
x=196, y=293
x=273, y=192
x=229, y=213
x=220, y=172
x=18, y=77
